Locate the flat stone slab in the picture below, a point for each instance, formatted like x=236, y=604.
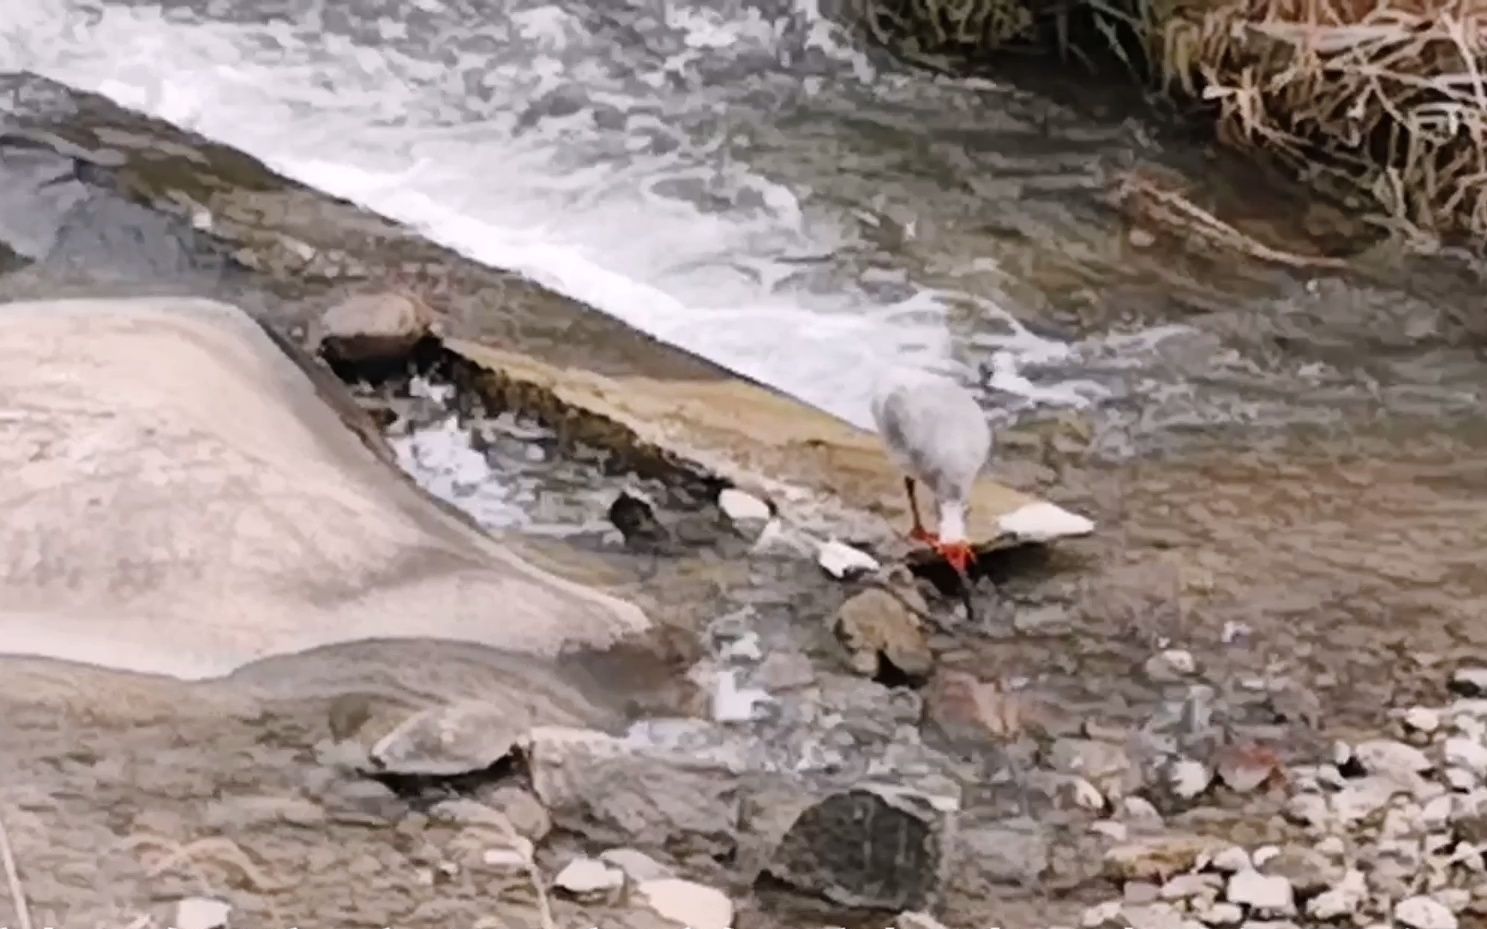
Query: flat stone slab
x=764, y=440
x=178, y=500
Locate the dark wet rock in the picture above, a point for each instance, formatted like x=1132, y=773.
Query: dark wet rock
x=635, y=517
x=866, y=846
x=616, y=792
x=445, y=741
x=883, y=636
x=374, y=327
x=1157, y=858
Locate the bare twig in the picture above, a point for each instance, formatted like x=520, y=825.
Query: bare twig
x=13, y=877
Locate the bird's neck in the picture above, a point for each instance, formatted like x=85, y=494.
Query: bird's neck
x=952, y=526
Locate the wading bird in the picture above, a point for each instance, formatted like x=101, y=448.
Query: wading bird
x=936, y=434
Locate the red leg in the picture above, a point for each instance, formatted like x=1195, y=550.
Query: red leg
x=918, y=533
x=961, y=556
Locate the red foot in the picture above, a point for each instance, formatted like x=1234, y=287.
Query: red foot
x=959, y=554
x=920, y=534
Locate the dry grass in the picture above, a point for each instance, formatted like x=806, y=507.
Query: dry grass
x=1388, y=95
x=955, y=27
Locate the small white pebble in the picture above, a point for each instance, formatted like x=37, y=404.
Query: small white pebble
x=201, y=913
x=841, y=560
x=1423, y=913
x=1263, y=854
x=1100, y=913
x=1460, y=779
x=1189, y=778
x=1422, y=719
x=1231, y=860
x=1332, y=847
x=1467, y=753
x=1221, y=914
x=1110, y=829
x=1233, y=631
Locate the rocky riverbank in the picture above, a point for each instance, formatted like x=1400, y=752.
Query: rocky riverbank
x=1139, y=731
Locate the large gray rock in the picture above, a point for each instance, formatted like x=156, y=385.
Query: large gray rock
x=179, y=499
x=444, y=741
x=863, y=845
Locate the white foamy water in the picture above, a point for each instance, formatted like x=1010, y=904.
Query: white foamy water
x=606, y=151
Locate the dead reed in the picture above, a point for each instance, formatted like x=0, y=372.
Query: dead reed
x=1388, y=95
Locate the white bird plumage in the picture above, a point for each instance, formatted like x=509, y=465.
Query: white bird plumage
x=936, y=434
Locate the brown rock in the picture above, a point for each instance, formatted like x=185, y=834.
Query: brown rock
x=375, y=327
x=1159, y=857
x=876, y=626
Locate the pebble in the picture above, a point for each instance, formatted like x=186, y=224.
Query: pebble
x=1332, y=847
x=1363, y=797
x=637, y=865
x=1171, y=664
x=201, y=913
x=743, y=507
x=1390, y=758
x=1110, y=829
x=1470, y=682
x=1266, y=894
x=1159, y=857
x=585, y=876
x=842, y=561
x=1422, y=719
x=1231, y=860
x=1221, y=914
x=1140, y=810
x=1139, y=892
x=1308, y=870
x=1263, y=854
x=1454, y=899
x=1309, y=809
x=1191, y=885
x=1233, y=631
x=1423, y=913
x=507, y=859
x=1153, y=916
x=1100, y=913
x=694, y=905
x=1342, y=899
x=1188, y=778
x=1468, y=754
x=1141, y=238
x=1460, y=779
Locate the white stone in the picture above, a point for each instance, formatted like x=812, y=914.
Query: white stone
x=1460, y=779
x=638, y=866
x=507, y=859
x=1189, y=778
x=1363, y=797
x=1332, y=846
x=1436, y=814
x=1263, y=854
x=1042, y=522
x=1454, y=899
x=1232, y=860
x=1342, y=899
x=1177, y=661
x=743, y=507
x=1390, y=758
x=1233, y=631
x=1270, y=895
x=1310, y=809
x=1086, y=796
x=1139, y=810
x=1110, y=829
x=1100, y=914
x=1467, y=753
x=201, y=913
x=1191, y=885
x=1152, y=916
x=842, y=561
x=1221, y=914
x=1423, y=913
x=1342, y=753
x=1472, y=681
x=589, y=875
x=1422, y=719
x=694, y=905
